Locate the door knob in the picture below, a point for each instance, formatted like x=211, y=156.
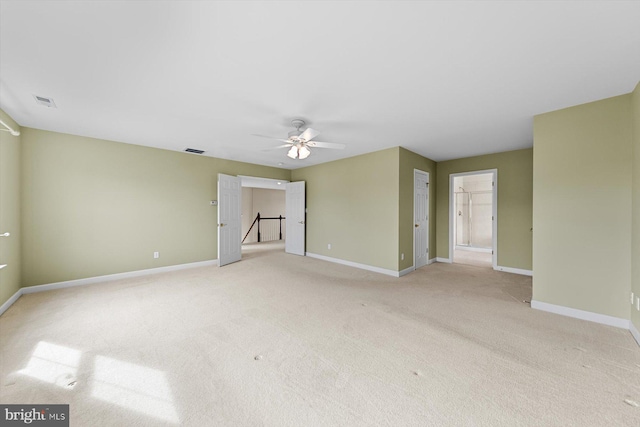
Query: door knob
x=417, y=226
x=222, y=225
x=7, y=234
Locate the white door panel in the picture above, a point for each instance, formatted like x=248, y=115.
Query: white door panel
x=229, y=219
x=421, y=219
x=295, y=214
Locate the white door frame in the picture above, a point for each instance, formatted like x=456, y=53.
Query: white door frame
x=416, y=172
x=494, y=225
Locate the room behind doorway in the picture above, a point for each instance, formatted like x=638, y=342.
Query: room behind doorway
x=473, y=210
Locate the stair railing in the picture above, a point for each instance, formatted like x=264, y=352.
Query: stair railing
x=258, y=219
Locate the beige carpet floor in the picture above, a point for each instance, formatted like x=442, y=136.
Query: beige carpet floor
x=280, y=340
x=479, y=259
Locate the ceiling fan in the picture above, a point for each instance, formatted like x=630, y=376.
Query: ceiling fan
x=299, y=142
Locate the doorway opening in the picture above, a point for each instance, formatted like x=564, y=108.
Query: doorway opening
x=473, y=220
x=230, y=216
x=263, y=215
x=257, y=209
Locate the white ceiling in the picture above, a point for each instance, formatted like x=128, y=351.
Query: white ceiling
x=443, y=79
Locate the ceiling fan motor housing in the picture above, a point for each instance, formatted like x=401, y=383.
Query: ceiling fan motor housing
x=297, y=123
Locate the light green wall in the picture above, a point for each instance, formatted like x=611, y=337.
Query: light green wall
x=515, y=186
x=92, y=207
x=10, y=153
x=408, y=162
x=353, y=204
x=635, y=252
x=582, y=207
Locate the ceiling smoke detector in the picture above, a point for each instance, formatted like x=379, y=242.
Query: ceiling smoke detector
x=43, y=100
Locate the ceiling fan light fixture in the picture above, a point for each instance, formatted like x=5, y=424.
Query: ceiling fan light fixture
x=303, y=152
x=293, y=153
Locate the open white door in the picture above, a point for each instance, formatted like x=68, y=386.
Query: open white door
x=421, y=218
x=229, y=221
x=295, y=214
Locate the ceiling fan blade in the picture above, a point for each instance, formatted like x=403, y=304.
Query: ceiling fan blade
x=309, y=134
x=278, y=147
x=270, y=137
x=326, y=145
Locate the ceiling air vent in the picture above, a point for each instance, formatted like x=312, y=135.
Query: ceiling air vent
x=194, y=150
x=47, y=102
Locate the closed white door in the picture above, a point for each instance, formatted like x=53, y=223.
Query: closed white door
x=229, y=221
x=421, y=218
x=295, y=214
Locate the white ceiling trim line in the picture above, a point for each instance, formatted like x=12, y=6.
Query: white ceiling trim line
x=267, y=183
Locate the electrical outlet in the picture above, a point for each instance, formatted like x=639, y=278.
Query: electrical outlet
x=329, y=246
x=156, y=255
x=401, y=257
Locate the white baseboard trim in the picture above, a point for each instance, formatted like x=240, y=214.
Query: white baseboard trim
x=407, y=271
x=634, y=332
x=473, y=249
x=100, y=279
x=413, y=268
x=8, y=303
x=117, y=276
x=514, y=270
x=356, y=265
x=581, y=314
x=445, y=260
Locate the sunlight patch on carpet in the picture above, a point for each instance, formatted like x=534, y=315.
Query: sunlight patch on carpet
x=54, y=364
x=134, y=387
